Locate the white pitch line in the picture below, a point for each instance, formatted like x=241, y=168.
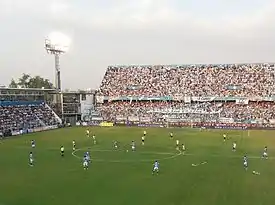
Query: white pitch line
x=227, y=156
x=128, y=161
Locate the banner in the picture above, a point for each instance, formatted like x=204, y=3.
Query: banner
x=242, y=101
x=151, y=125
x=133, y=119
x=106, y=124
x=226, y=120
x=187, y=99
x=121, y=118
x=145, y=119
x=133, y=87
x=139, y=98
x=233, y=87
x=203, y=99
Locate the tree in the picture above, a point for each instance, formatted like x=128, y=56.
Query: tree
x=23, y=81
x=39, y=82
x=27, y=81
x=13, y=84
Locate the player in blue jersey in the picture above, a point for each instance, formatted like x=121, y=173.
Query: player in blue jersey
x=88, y=157
x=31, y=160
x=245, y=162
x=156, y=167
x=85, y=162
x=33, y=143
x=265, y=155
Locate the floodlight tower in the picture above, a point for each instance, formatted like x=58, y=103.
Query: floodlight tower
x=57, y=44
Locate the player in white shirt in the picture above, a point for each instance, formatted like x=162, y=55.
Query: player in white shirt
x=155, y=167
x=62, y=151
x=31, y=160
x=85, y=162
x=33, y=143
x=88, y=133
x=142, y=140
x=133, y=146
x=265, y=155
x=224, y=137
x=234, y=146
x=94, y=138
x=177, y=144
x=245, y=162
x=74, y=145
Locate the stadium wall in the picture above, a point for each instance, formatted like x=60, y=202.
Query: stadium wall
x=27, y=131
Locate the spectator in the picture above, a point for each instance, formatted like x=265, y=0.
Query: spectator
x=19, y=117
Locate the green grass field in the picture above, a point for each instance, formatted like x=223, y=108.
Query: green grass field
x=122, y=178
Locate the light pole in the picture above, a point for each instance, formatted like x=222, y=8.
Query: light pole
x=57, y=44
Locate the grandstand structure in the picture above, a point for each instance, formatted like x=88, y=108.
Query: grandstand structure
x=25, y=110
x=78, y=106
x=181, y=95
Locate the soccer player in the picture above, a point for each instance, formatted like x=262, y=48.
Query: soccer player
x=33, y=143
x=85, y=163
x=144, y=133
x=74, y=145
x=156, y=167
x=133, y=146
x=94, y=138
x=88, y=133
x=88, y=157
x=183, y=147
x=245, y=162
x=31, y=160
x=177, y=144
x=234, y=146
x=171, y=135
x=142, y=140
x=62, y=151
x=265, y=155
x=224, y=137
x=115, y=144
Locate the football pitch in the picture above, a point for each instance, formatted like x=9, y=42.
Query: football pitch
x=209, y=172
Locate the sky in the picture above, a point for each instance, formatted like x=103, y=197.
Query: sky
x=123, y=32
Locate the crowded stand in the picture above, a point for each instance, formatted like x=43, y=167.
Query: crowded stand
x=207, y=111
x=208, y=93
x=19, y=116
x=191, y=80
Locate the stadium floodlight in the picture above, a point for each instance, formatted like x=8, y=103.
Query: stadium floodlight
x=56, y=44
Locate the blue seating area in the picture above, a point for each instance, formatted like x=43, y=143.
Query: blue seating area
x=22, y=115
